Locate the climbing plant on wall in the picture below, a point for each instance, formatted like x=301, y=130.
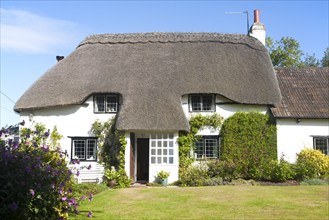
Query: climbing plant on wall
x=186, y=141
x=249, y=140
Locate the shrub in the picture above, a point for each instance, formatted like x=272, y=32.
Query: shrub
x=194, y=175
x=249, y=140
x=315, y=182
x=35, y=181
x=311, y=164
x=222, y=169
x=279, y=171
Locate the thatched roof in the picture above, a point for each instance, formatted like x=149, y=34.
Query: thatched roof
x=153, y=70
x=305, y=93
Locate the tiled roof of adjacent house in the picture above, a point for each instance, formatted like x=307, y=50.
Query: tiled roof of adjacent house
x=153, y=70
x=305, y=93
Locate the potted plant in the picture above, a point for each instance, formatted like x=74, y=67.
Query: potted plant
x=111, y=177
x=163, y=177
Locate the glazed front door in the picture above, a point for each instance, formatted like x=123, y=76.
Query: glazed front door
x=142, y=159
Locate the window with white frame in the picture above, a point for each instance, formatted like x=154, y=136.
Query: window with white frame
x=207, y=147
x=105, y=103
x=202, y=103
x=162, y=148
x=84, y=148
x=321, y=144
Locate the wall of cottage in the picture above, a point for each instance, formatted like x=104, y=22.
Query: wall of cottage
x=294, y=135
x=224, y=107
x=73, y=120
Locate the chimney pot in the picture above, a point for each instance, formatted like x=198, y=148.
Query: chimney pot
x=59, y=58
x=256, y=16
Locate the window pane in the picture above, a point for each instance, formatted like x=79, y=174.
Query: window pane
x=111, y=103
x=171, y=151
x=153, y=160
x=99, y=103
x=196, y=103
x=159, y=152
x=199, y=149
x=165, y=144
x=171, y=143
x=79, y=149
x=211, y=147
x=152, y=151
x=321, y=144
x=165, y=160
x=207, y=102
x=159, y=144
x=153, y=143
x=91, y=150
x=171, y=160
x=158, y=160
x=165, y=151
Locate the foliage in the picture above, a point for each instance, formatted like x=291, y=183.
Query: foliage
x=311, y=164
x=223, y=169
x=35, y=181
x=325, y=59
x=112, y=144
x=187, y=141
x=311, y=61
x=285, y=52
x=163, y=175
x=249, y=140
x=279, y=171
x=194, y=175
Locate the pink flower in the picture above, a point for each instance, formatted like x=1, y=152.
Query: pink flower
x=32, y=192
x=90, y=215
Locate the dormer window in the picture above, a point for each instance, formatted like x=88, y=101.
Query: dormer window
x=105, y=103
x=201, y=103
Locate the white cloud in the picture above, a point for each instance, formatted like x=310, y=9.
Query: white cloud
x=23, y=31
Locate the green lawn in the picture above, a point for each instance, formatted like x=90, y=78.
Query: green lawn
x=218, y=202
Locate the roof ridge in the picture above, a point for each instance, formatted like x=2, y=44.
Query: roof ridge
x=164, y=37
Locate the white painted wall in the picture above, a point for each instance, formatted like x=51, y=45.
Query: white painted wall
x=74, y=120
x=292, y=137
x=225, y=110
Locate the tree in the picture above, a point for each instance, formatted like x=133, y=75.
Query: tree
x=325, y=59
x=285, y=53
x=311, y=61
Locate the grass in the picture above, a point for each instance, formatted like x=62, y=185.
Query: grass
x=219, y=202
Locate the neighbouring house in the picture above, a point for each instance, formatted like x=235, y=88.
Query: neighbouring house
x=152, y=83
x=303, y=117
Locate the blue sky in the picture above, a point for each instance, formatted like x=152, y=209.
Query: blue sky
x=34, y=32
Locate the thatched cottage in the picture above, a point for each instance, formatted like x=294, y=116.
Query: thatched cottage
x=152, y=83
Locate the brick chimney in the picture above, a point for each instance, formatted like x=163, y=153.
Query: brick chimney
x=258, y=29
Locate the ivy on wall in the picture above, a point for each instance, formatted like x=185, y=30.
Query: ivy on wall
x=186, y=141
x=249, y=140
x=112, y=146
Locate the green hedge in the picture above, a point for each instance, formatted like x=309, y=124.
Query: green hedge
x=249, y=140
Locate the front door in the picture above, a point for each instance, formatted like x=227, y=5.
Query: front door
x=143, y=159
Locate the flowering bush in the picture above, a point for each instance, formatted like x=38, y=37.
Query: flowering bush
x=35, y=181
x=312, y=164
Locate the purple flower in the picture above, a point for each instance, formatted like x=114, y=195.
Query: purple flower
x=32, y=192
x=78, y=173
x=89, y=167
x=83, y=197
x=64, y=198
x=28, y=135
x=13, y=206
x=91, y=196
x=61, y=191
x=35, y=144
x=69, y=190
x=46, y=134
x=72, y=201
x=90, y=215
x=10, y=142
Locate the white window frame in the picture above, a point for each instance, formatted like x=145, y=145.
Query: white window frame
x=322, y=138
x=204, y=140
x=106, y=104
x=162, y=149
x=85, y=141
x=201, y=96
